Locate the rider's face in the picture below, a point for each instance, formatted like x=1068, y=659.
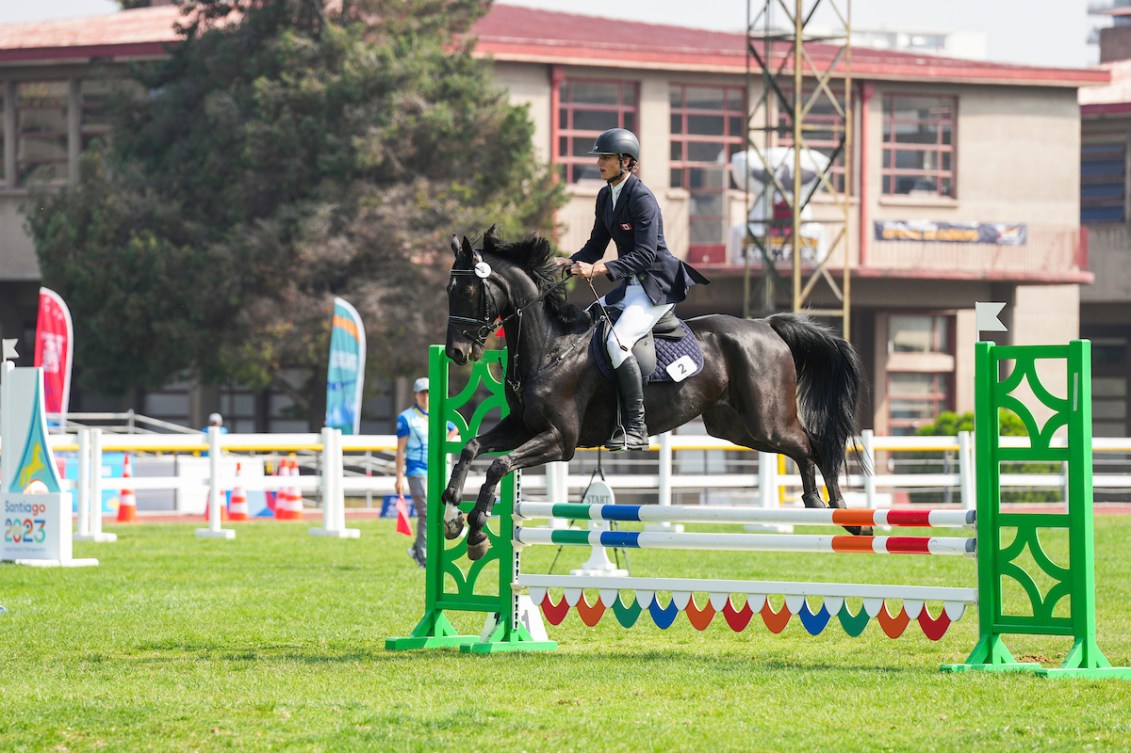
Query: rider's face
x=609, y=165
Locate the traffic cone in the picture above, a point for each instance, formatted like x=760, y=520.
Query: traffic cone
x=285, y=502
x=296, y=493
x=237, y=505
x=127, y=502
x=403, y=524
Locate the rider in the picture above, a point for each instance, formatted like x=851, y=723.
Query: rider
x=652, y=280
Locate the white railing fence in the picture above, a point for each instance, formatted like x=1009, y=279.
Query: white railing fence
x=336, y=467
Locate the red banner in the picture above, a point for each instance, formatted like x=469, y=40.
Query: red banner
x=53, y=348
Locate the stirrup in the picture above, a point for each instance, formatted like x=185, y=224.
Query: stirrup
x=622, y=441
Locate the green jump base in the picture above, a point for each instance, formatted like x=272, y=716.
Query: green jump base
x=411, y=643
x=1030, y=667
x=433, y=631
x=497, y=647
x=503, y=638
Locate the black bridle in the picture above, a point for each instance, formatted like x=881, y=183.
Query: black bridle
x=489, y=314
x=485, y=324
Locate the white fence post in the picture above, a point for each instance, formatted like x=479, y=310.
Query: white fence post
x=868, y=443
x=94, y=493
x=664, y=482
x=215, y=498
x=966, y=471
x=82, y=486
x=557, y=488
x=769, y=495
x=333, y=494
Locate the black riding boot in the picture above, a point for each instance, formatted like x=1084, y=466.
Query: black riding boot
x=632, y=434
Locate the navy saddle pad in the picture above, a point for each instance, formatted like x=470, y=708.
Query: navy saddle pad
x=668, y=351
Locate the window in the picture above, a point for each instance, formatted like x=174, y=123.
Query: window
x=587, y=108
x=824, y=128
x=95, y=122
x=919, y=334
x=915, y=399
x=41, y=131
x=918, y=154
x=920, y=370
x=708, y=125
x=1103, y=180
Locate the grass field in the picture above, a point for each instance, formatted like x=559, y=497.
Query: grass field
x=275, y=642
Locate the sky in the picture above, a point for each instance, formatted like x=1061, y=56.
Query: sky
x=1029, y=32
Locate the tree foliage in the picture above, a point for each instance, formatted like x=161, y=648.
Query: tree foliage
x=284, y=154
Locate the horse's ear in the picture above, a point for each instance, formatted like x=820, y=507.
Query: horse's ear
x=490, y=240
x=467, y=249
x=455, y=246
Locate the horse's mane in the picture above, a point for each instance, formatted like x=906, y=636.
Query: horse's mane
x=534, y=255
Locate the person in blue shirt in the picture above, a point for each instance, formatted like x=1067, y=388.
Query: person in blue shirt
x=412, y=461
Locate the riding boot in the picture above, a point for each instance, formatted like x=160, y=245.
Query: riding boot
x=631, y=434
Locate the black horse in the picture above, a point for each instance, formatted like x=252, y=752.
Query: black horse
x=781, y=384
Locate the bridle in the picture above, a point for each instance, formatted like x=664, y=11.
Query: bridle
x=485, y=324
x=489, y=315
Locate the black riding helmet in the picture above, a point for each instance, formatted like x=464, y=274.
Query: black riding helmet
x=619, y=141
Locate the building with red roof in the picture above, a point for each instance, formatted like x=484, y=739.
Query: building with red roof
x=964, y=179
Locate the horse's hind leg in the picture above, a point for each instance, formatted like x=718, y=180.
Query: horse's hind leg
x=811, y=495
x=836, y=499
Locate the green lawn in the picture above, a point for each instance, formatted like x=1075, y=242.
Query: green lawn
x=275, y=642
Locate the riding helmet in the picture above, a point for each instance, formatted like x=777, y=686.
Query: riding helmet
x=619, y=141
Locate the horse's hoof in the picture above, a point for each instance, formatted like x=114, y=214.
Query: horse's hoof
x=476, y=549
x=453, y=528
x=859, y=530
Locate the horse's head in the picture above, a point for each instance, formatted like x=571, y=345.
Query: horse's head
x=473, y=307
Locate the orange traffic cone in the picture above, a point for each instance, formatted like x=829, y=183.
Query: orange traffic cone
x=237, y=505
x=288, y=505
x=127, y=503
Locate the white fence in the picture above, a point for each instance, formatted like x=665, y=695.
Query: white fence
x=360, y=466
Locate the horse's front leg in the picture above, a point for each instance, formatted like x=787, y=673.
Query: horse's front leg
x=504, y=436
x=542, y=448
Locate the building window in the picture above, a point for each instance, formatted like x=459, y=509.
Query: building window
x=1103, y=181
x=920, y=370
x=587, y=108
x=919, y=154
x=41, y=131
x=95, y=121
x=915, y=399
x=708, y=125
x=824, y=129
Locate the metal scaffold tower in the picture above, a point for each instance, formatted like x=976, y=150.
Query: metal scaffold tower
x=799, y=130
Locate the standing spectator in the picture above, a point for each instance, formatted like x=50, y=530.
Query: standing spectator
x=215, y=419
x=412, y=462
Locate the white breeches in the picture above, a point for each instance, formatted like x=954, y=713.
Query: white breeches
x=637, y=318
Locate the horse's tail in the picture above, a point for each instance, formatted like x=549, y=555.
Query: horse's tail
x=829, y=381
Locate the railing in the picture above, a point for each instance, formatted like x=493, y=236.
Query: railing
x=677, y=466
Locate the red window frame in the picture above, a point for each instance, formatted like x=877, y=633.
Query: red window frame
x=683, y=168
x=575, y=163
x=931, y=179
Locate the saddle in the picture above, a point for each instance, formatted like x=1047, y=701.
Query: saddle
x=669, y=353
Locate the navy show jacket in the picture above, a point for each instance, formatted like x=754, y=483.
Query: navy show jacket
x=637, y=228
